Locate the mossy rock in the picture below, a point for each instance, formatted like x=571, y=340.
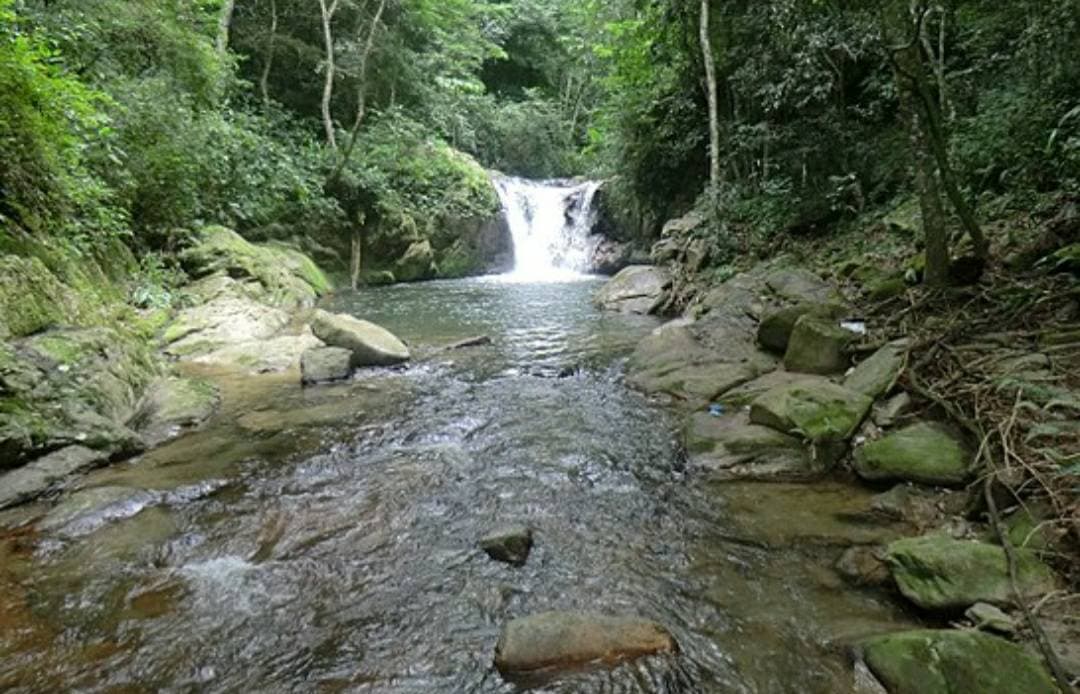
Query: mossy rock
x=31, y=298
x=926, y=452
x=818, y=346
x=815, y=408
x=953, y=661
x=377, y=278
x=417, y=263
x=876, y=374
x=775, y=330
x=939, y=573
x=285, y=276
x=888, y=288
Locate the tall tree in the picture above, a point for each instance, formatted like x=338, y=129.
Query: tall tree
x=705, y=36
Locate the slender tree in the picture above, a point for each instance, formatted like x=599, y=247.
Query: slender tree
x=714, y=103
x=327, y=12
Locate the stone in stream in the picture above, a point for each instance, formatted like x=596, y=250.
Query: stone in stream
x=510, y=544
x=637, y=289
x=370, y=344
x=733, y=448
x=775, y=330
x=818, y=346
x=325, y=364
x=925, y=452
x=815, y=408
x=875, y=375
x=938, y=572
x=557, y=641
x=953, y=661
x=42, y=475
x=863, y=566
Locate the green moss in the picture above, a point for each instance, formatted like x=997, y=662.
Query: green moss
x=31, y=298
x=923, y=452
x=888, y=288
x=945, y=662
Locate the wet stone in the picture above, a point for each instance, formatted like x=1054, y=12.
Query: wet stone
x=557, y=641
x=509, y=544
x=325, y=364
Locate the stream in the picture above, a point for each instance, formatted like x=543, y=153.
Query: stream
x=325, y=539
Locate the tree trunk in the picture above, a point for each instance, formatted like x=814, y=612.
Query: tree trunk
x=361, y=90
x=714, y=105
x=328, y=82
x=224, y=25
x=268, y=60
x=357, y=257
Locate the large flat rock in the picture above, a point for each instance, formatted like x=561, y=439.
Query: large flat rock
x=925, y=452
x=554, y=641
x=815, y=408
x=730, y=447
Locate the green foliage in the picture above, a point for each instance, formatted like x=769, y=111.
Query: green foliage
x=48, y=120
x=157, y=283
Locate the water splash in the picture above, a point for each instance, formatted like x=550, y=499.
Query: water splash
x=551, y=224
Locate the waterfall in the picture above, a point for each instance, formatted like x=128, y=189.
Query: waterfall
x=551, y=224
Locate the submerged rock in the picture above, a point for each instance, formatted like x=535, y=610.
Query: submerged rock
x=509, y=544
x=924, y=452
x=864, y=566
x=555, y=641
x=44, y=474
x=818, y=346
x=952, y=661
x=370, y=344
x=325, y=364
x=815, y=408
x=637, y=289
x=938, y=572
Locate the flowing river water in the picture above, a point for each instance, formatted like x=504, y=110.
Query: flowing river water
x=325, y=539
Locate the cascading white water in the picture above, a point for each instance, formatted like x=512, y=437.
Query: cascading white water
x=551, y=224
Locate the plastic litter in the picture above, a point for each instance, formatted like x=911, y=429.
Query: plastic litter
x=856, y=326
x=716, y=410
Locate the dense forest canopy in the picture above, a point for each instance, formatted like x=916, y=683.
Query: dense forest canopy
x=133, y=118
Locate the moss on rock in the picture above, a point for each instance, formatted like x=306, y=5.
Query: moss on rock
x=951, y=661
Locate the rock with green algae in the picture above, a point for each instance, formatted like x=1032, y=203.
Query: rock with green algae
x=875, y=375
x=925, y=452
x=775, y=330
x=938, y=572
x=815, y=408
x=31, y=298
x=370, y=344
x=71, y=387
x=818, y=346
x=953, y=661
x=284, y=276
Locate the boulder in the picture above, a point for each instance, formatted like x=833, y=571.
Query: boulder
x=795, y=284
x=417, y=263
x=370, y=344
x=875, y=375
x=814, y=408
x=325, y=364
x=637, y=289
x=44, y=474
x=938, y=572
x=952, y=661
x=925, y=452
x=555, y=641
x=818, y=346
x=173, y=405
x=509, y=544
x=775, y=330
x=886, y=413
